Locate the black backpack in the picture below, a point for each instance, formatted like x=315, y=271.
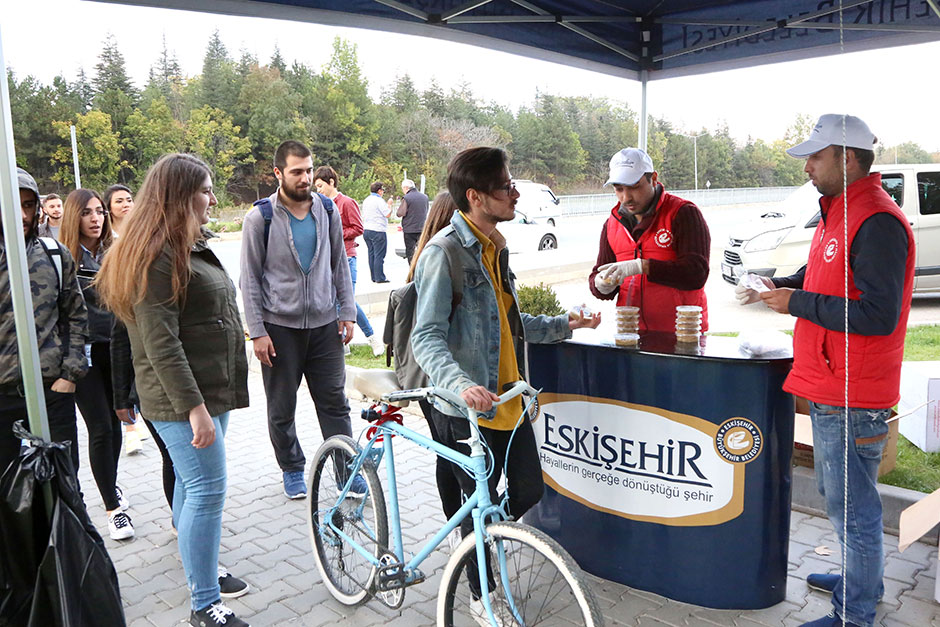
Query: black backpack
x=400, y=319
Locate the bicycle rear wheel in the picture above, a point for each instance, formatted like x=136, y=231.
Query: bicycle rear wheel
x=348, y=575
x=546, y=586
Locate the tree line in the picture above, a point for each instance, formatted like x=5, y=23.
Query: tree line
x=235, y=113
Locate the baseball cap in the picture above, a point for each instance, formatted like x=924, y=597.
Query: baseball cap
x=628, y=165
x=828, y=132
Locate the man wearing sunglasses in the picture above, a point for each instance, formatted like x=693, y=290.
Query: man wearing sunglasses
x=474, y=349
x=654, y=246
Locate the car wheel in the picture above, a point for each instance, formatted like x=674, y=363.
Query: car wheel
x=548, y=242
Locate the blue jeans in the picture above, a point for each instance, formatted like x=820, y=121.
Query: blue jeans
x=864, y=542
x=361, y=319
x=377, y=243
x=197, y=504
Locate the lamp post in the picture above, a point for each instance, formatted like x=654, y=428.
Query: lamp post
x=694, y=154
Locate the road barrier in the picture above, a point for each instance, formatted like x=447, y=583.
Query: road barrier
x=591, y=204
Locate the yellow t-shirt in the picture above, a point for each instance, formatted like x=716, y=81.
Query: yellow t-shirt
x=508, y=413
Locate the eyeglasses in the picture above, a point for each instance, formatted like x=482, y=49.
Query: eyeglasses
x=509, y=188
x=100, y=212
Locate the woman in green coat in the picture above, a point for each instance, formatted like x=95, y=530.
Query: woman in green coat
x=188, y=349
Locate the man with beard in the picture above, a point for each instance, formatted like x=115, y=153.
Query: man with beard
x=61, y=330
x=52, y=216
x=654, y=246
x=292, y=262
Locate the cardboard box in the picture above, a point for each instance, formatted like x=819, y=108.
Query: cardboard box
x=917, y=520
x=920, y=396
x=803, y=440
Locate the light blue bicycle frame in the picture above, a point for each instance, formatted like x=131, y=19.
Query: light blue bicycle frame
x=478, y=505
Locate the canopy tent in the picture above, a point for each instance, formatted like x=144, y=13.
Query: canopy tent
x=639, y=39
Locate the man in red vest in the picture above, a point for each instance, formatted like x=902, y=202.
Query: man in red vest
x=858, y=218
x=654, y=246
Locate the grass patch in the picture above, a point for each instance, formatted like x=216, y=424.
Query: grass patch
x=361, y=356
x=915, y=469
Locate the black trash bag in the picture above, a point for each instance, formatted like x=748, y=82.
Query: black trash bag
x=54, y=573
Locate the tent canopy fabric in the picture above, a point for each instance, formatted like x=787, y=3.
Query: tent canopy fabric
x=645, y=39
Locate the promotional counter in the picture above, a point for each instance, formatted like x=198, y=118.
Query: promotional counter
x=667, y=466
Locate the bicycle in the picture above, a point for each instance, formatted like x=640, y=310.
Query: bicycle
x=535, y=581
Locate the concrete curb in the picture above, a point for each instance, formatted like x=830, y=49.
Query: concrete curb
x=894, y=500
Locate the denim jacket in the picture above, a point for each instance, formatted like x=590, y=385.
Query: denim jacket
x=460, y=352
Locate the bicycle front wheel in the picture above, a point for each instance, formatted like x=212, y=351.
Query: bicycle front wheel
x=347, y=573
x=546, y=586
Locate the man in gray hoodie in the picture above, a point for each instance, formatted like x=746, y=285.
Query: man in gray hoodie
x=291, y=268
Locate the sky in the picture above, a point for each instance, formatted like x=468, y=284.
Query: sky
x=895, y=90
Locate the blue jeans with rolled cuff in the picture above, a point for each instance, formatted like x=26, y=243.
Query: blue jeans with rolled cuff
x=864, y=538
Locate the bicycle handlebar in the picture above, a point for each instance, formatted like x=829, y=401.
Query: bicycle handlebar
x=519, y=387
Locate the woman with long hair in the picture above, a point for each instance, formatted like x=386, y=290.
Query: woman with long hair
x=439, y=215
x=86, y=232
x=188, y=350
x=119, y=201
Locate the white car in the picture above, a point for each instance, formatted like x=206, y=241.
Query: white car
x=778, y=243
x=537, y=202
x=522, y=236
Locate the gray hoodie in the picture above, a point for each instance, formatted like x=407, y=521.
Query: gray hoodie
x=274, y=287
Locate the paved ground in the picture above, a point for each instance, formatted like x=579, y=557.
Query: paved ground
x=265, y=541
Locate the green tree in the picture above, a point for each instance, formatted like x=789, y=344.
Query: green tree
x=165, y=81
x=270, y=113
x=908, y=152
x=218, y=85
x=433, y=100
x=403, y=96
x=545, y=147
x=99, y=151
x=344, y=115
x=277, y=61
x=34, y=108
x=211, y=135
x=151, y=133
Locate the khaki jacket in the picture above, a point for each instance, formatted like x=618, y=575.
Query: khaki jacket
x=191, y=352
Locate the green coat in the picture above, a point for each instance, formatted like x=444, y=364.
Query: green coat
x=190, y=354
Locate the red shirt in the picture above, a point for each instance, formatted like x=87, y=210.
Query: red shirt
x=352, y=221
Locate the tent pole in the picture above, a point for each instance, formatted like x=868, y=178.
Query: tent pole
x=18, y=269
x=644, y=77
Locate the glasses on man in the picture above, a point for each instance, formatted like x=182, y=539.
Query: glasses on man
x=99, y=212
x=509, y=188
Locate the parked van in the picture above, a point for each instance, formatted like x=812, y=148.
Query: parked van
x=778, y=243
x=537, y=202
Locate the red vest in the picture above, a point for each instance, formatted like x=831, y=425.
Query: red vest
x=819, y=354
x=657, y=302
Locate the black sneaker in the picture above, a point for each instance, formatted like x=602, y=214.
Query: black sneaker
x=215, y=614
x=231, y=587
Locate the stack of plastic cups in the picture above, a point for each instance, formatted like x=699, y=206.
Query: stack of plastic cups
x=688, y=324
x=628, y=323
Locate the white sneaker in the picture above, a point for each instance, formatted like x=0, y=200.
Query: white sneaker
x=478, y=613
x=119, y=526
x=131, y=442
x=122, y=500
x=378, y=346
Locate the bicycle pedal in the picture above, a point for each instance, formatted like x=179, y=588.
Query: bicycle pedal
x=390, y=575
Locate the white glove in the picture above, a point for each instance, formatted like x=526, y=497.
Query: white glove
x=611, y=275
x=749, y=288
